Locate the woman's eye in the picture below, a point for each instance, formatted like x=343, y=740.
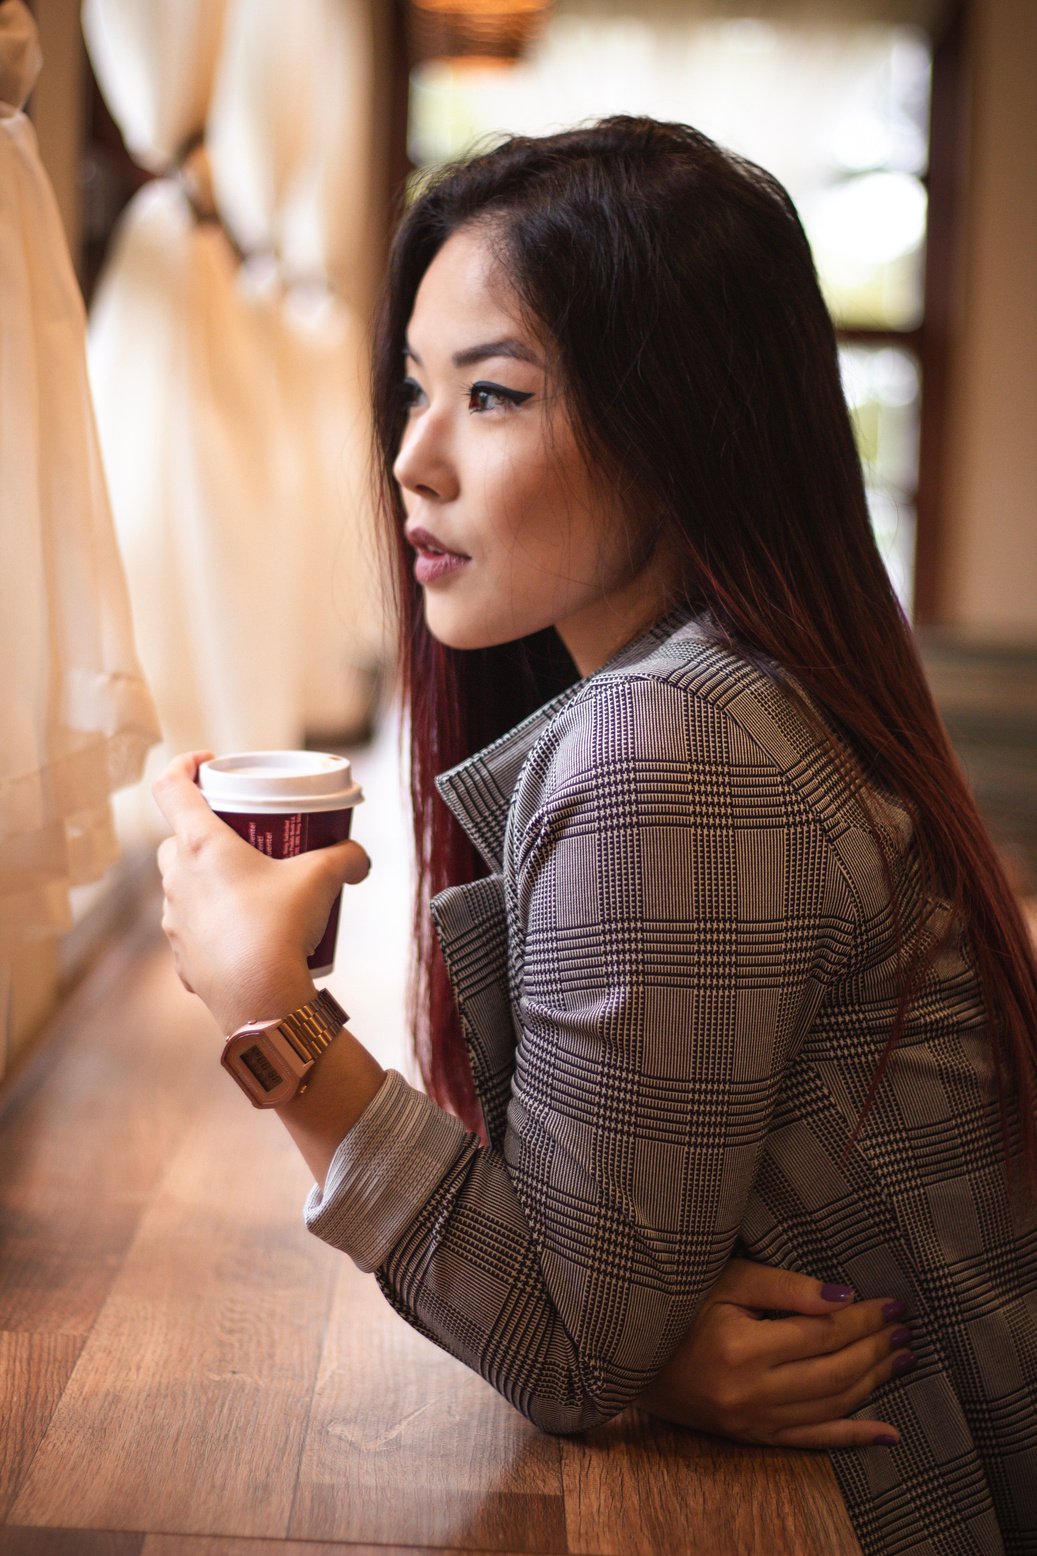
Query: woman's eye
x=491, y=397
x=412, y=392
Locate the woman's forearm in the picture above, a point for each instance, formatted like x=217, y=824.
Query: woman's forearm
x=345, y=1080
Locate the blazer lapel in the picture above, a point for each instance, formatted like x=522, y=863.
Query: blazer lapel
x=472, y=927
x=479, y=789
x=471, y=919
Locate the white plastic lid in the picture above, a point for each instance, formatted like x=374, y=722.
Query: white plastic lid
x=278, y=782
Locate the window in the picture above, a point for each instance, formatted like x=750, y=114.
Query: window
x=839, y=114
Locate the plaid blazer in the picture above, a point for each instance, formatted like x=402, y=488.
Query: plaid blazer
x=674, y=984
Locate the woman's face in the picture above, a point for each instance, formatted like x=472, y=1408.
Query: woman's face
x=512, y=532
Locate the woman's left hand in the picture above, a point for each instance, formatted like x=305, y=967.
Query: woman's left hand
x=789, y=1382
x=240, y=924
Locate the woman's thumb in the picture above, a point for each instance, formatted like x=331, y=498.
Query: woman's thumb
x=337, y=865
x=345, y=863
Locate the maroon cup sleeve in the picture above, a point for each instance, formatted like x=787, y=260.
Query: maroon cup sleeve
x=282, y=836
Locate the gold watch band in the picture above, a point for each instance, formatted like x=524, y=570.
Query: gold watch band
x=313, y=1027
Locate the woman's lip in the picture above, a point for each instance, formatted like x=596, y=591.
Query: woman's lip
x=426, y=544
x=430, y=566
x=434, y=560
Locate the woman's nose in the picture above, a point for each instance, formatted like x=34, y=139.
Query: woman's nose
x=424, y=464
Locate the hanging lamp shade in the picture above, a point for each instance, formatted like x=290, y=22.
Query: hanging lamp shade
x=488, y=30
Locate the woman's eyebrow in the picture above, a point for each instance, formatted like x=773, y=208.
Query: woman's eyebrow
x=507, y=347
x=497, y=348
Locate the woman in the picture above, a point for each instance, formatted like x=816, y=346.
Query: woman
x=735, y=968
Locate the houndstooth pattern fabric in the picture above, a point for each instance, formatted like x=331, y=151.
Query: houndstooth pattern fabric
x=675, y=984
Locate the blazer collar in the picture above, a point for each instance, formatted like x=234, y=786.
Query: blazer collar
x=478, y=790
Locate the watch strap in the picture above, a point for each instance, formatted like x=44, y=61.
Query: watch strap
x=312, y=1028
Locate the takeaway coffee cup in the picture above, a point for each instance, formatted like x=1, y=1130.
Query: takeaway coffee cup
x=285, y=803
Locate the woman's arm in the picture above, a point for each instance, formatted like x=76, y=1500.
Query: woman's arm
x=791, y=1381
x=240, y=926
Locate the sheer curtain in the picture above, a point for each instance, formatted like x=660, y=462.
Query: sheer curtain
x=290, y=137
x=228, y=364
x=76, y=717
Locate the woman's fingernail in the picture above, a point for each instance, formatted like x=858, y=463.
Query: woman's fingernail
x=898, y=1338
x=885, y=1440
x=894, y=1310
x=837, y=1293
x=904, y=1363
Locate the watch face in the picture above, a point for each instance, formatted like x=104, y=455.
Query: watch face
x=266, y=1068
x=256, y=1061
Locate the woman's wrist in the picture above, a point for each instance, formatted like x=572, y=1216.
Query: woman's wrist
x=344, y=1081
x=266, y=998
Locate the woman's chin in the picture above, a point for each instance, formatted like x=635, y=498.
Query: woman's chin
x=470, y=635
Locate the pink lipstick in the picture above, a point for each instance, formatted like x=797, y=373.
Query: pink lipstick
x=434, y=560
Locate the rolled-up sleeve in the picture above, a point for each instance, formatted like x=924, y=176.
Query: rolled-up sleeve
x=385, y=1172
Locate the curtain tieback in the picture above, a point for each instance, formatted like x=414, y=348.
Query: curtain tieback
x=191, y=167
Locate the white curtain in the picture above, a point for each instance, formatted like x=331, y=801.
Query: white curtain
x=290, y=134
x=229, y=367
x=76, y=716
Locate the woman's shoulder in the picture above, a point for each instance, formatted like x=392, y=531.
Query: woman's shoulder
x=675, y=688
x=745, y=741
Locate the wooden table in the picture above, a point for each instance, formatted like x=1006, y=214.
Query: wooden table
x=184, y=1371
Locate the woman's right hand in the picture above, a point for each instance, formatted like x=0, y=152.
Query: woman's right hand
x=789, y=1382
x=241, y=925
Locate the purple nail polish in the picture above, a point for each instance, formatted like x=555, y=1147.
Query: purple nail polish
x=894, y=1310
x=898, y=1338
x=831, y=1293
x=904, y=1363
x=884, y=1440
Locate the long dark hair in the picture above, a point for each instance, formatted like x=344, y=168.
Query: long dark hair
x=700, y=371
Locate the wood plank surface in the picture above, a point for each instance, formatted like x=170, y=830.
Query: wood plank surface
x=636, y=1487
x=87, y=1130
x=69, y=1542
x=34, y=1370
x=188, y=1406
x=201, y=1545
x=408, y=1445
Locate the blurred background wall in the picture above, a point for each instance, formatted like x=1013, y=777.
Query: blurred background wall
x=983, y=573
x=988, y=577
